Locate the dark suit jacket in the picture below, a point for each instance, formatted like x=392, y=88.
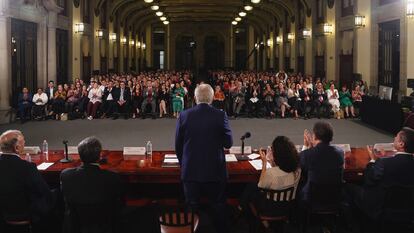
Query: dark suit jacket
x=322, y=164
x=127, y=95
x=201, y=134
x=47, y=91
x=89, y=185
x=23, y=192
x=385, y=172
x=107, y=92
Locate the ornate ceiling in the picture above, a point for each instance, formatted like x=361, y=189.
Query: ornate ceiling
x=137, y=13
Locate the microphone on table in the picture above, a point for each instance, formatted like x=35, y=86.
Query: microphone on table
x=66, y=159
x=246, y=135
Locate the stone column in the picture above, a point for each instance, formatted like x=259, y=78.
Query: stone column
x=111, y=46
x=5, y=67
x=281, y=47
x=410, y=54
x=331, y=45
x=96, y=53
x=308, y=48
x=271, y=50
x=293, y=46
x=167, y=56
x=148, y=49
x=76, y=44
x=51, y=47
x=251, y=41
x=363, y=40
x=121, y=50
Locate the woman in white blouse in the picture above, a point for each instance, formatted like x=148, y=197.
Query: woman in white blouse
x=333, y=98
x=283, y=173
x=95, y=100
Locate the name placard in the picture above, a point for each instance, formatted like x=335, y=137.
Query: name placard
x=345, y=147
x=237, y=150
x=134, y=150
x=384, y=147
x=73, y=150
x=33, y=150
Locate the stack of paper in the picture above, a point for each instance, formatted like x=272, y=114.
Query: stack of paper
x=254, y=156
x=231, y=158
x=44, y=166
x=257, y=164
x=170, y=160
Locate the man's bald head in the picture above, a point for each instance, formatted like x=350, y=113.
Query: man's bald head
x=12, y=141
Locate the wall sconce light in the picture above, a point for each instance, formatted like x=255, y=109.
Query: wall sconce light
x=138, y=44
x=163, y=18
x=124, y=40
x=291, y=36
x=166, y=22
x=410, y=8
x=270, y=42
x=255, y=1
x=143, y=46
x=306, y=33
x=238, y=19
x=155, y=7
x=327, y=29
x=242, y=13
x=279, y=40
x=234, y=22
x=148, y=1
x=132, y=43
x=159, y=13
x=99, y=33
x=79, y=28
x=359, y=21
x=112, y=37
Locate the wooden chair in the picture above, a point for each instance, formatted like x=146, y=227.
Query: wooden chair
x=11, y=224
x=324, y=202
x=276, y=207
x=176, y=218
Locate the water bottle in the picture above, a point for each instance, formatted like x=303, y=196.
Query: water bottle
x=28, y=158
x=45, y=149
x=149, y=149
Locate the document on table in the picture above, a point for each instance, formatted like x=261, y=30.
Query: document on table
x=384, y=147
x=170, y=158
x=257, y=164
x=254, y=156
x=345, y=147
x=231, y=158
x=44, y=166
x=134, y=150
x=33, y=150
x=73, y=150
x=237, y=150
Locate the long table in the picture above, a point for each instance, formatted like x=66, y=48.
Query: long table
x=151, y=171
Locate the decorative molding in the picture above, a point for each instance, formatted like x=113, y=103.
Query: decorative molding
x=76, y=3
x=51, y=5
x=330, y=3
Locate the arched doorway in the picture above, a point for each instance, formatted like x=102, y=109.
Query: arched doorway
x=213, y=52
x=184, y=55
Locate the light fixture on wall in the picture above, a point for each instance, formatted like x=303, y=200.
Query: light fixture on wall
x=291, y=36
x=155, y=7
x=143, y=46
x=124, y=40
x=79, y=28
x=234, y=22
x=148, y=1
x=255, y=1
x=410, y=8
x=242, y=13
x=132, y=43
x=306, y=33
x=327, y=29
x=138, y=44
x=163, y=18
x=100, y=33
x=248, y=7
x=112, y=36
x=238, y=19
x=279, y=40
x=166, y=22
x=159, y=13
x=270, y=42
x=359, y=21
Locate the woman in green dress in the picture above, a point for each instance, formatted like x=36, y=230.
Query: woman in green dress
x=177, y=99
x=346, y=102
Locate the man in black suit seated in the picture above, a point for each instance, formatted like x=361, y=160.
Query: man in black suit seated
x=108, y=100
x=321, y=162
x=380, y=173
x=123, y=100
x=89, y=185
x=24, y=195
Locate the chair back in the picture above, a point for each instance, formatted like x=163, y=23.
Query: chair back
x=398, y=203
x=276, y=202
x=282, y=195
x=176, y=215
x=92, y=218
x=325, y=198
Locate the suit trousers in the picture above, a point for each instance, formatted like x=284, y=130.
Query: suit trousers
x=216, y=194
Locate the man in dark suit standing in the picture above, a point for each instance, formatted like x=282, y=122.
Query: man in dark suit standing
x=381, y=173
x=24, y=195
x=123, y=100
x=88, y=184
x=321, y=162
x=201, y=134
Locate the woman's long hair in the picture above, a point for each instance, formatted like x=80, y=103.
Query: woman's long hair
x=285, y=154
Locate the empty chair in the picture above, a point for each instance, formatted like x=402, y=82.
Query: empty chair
x=177, y=218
